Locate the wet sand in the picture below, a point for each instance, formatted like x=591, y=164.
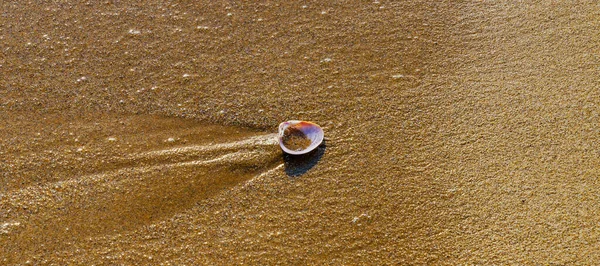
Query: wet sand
x=456, y=133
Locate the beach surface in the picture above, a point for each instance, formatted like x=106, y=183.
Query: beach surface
x=456, y=132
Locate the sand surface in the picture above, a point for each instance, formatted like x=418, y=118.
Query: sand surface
x=457, y=132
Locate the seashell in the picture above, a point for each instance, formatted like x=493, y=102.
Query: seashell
x=299, y=137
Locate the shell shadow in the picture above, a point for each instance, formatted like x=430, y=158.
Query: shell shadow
x=297, y=165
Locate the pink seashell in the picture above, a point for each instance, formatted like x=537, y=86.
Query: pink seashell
x=311, y=131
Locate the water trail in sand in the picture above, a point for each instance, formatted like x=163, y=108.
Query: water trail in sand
x=135, y=188
x=250, y=151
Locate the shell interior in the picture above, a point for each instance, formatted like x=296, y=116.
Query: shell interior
x=308, y=130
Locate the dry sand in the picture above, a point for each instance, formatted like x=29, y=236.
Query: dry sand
x=458, y=132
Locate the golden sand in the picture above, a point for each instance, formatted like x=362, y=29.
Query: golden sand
x=142, y=132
